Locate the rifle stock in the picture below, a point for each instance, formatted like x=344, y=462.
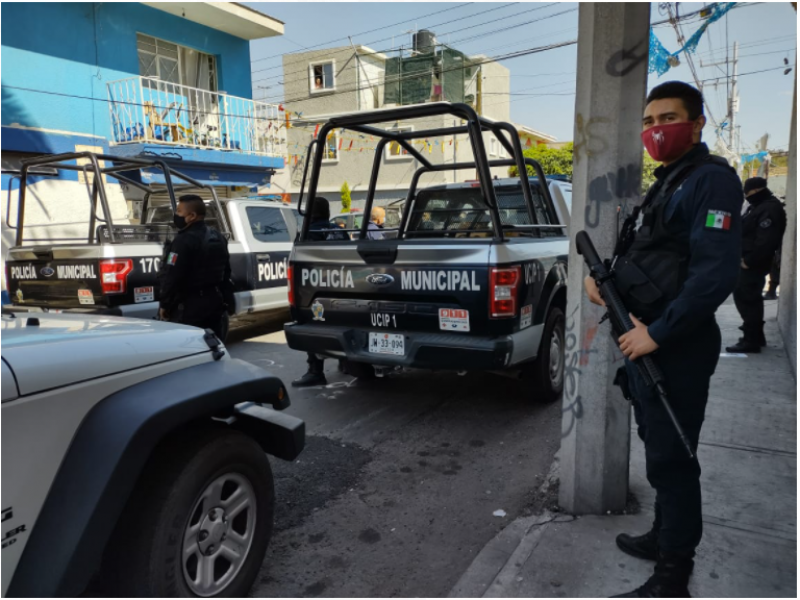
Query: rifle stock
x=621, y=323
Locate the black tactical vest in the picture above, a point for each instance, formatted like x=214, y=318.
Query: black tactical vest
x=652, y=259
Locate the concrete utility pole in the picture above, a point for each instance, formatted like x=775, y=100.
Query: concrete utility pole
x=733, y=101
x=612, y=81
x=787, y=303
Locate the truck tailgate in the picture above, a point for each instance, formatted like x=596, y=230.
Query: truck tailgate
x=403, y=286
x=72, y=278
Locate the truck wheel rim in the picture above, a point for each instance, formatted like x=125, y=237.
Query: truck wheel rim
x=556, y=359
x=218, y=534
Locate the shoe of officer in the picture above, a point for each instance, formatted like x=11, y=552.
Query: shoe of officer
x=770, y=295
x=639, y=546
x=670, y=579
x=310, y=379
x=746, y=345
x=762, y=339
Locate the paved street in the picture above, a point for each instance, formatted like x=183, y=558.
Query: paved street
x=396, y=490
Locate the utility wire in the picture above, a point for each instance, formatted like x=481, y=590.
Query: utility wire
x=501, y=30
x=398, y=48
x=449, y=8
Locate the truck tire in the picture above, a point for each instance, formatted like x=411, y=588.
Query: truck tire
x=199, y=521
x=548, y=369
x=359, y=370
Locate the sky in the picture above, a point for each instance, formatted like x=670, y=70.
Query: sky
x=543, y=84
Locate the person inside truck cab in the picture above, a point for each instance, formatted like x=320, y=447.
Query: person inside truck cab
x=195, y=276
x=376, y=221
x=320, y=221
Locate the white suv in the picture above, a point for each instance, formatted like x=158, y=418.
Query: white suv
x=134, y=458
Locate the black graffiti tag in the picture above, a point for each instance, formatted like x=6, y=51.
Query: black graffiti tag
x=623, y=62
x=620, y=185
x=571, y=373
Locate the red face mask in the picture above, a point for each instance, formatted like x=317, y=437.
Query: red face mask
x=667, y=142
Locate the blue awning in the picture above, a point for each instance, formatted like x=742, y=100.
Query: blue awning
x=209, y=166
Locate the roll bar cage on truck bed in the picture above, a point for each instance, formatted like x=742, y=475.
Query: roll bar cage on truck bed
x=108, y=232
x=475, y=125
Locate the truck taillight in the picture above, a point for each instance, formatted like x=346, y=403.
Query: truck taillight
x=114, y=274
x=290, y=284
x=503, y=288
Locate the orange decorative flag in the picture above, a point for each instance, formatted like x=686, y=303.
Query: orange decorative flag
x=350, y=147
x=316, y=130
x=340, y=143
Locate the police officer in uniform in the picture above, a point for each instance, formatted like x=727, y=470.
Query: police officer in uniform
x=676, y=263
x=317, y=232
x=763, y=225
x=195, y=276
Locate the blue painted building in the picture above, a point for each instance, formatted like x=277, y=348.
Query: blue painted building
x=171, y=79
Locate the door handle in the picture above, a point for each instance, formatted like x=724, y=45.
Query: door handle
x=262, y=256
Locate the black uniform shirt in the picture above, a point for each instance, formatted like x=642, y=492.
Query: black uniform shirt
x=706, y=209
x=196, y=259
x=763, y=225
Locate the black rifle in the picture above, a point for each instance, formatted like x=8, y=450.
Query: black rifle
x=621, y=323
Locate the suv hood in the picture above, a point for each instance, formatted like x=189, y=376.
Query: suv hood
x=67, y=348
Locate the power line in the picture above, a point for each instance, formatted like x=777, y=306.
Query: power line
x=449, y=8
x=743, y=74
x=398, y=48
x=508, y=56
x=501, y=30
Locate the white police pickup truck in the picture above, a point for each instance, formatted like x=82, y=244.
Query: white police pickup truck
x=112, y=268
x=134, y=459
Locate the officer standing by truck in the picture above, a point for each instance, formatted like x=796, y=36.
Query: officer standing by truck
x=763, y=225
x=319, y=230
x=195, y=277
x=676, y=263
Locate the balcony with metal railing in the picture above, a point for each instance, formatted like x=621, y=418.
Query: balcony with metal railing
x=151, y=111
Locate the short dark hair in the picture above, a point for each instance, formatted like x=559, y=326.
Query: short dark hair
x=692, y=97
x=194, y=203
x=320, y=209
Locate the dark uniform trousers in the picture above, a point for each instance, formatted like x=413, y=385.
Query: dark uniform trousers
x=749, y=301
x=688, y=367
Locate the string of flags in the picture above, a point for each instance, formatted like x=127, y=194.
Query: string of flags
x=341, y=140
x=660, y=59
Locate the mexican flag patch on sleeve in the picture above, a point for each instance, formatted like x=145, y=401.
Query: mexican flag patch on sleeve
x=718, y=219
x=172, y=258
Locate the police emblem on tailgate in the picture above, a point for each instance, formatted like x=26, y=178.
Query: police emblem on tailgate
x=318, y=310
x=380, y=279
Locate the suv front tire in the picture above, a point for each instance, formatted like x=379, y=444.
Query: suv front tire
x=199, y=522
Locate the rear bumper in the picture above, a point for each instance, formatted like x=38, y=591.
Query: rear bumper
x=423, y=350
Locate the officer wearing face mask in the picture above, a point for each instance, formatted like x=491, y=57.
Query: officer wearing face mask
x=763, y=225
x=676, y=262
x=195, y=276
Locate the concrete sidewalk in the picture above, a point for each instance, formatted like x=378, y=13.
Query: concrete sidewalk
x=748, y=453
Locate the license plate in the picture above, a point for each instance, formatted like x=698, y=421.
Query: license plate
x=143, y=294
x=387, y=343
x=85, y=297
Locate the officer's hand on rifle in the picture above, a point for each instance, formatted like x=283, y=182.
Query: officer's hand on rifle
x=637, y=342
x=162, y=314
x=593, y=291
